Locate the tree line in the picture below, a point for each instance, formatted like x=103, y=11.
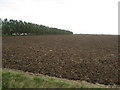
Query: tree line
x=18, y=27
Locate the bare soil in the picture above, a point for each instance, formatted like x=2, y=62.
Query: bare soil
x=92, y=58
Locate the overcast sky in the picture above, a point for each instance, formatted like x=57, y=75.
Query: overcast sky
x=79, y=16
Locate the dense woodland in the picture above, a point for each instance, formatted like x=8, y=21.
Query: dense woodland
x=15, y=27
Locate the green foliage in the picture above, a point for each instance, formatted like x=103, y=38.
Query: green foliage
x=20, y=80
x=60, y=84
x=14, y=79
x=15, y=27
x=38, y=81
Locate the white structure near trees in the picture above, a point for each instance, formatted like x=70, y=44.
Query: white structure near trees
x=0, y=24
x=0, y=27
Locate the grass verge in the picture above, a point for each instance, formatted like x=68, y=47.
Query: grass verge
x=19, y=79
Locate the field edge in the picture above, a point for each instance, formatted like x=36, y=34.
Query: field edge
x=18, y=79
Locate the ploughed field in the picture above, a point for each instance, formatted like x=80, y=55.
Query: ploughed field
x=92, y=58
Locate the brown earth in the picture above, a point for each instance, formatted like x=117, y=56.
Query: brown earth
x=93, y=58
